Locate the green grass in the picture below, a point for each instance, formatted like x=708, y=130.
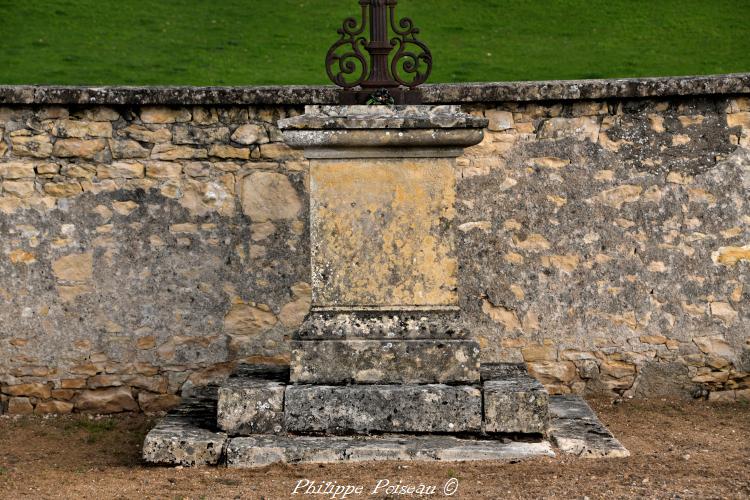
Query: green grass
x=251, y=42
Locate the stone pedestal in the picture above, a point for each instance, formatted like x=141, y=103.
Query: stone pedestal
x=385, y=298
x=383, y=351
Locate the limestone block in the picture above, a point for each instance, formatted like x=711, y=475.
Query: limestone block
x=121, y=170
x=262, y=451
x=381, y=232
x=143, y=134
x=88, y=149
x=74, y=267
x=250, y=406
x=169, y=152
x=79, y=129
x=111, y=400
x=37, y=146
x=383, y=325
x=125, y=149
x=53, y=407
x=385, y=361
x=576, y=430
x=250, y=134
x=163, y=114
x=382, y=408
x=17, y=170
x=268, y=196
x=188, y=134
x=224, y=151
x=19, y=406
x=186, y=437
x=515, y=404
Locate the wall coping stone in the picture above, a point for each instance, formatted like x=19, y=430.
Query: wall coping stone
x=732, y=84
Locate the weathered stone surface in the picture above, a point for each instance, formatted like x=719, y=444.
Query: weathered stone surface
x=88, y=149
x=268, y=196
x=261, y=451
x=385, y=361
x=361, y=212
x=575, y=429
x=250, y=406
x=186, y=437
x=53, y=407
x=382, y=408
x=111, y=400
x=514, y=402
x=397, y=325
x=250, y=134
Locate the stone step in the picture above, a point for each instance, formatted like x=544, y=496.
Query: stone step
x=382, y=325
x=514, y=401
x=576, y=430
x=385, y=362
x=187, y=436
x=250, y=406
x=261, y=451
x=382, y=408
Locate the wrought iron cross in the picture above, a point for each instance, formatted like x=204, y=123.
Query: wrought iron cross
x=385, y=75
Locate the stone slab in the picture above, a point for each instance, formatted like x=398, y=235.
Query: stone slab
x=576, y=430
x=383, y=325
x=385, y=361
x=261, y=451
x=501, y=371
x=186, y=436
x=382, y=408
x=250, y=406
x=517, y=405
x=380, y=232
x=276, y=373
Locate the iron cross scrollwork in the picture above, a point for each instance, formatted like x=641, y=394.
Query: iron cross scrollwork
x=397, y=63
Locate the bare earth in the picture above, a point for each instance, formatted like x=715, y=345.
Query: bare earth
x=679, y=450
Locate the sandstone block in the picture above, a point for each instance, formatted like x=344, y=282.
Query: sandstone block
x=17, y=170
x=250, y=406
x=269, y=196
x=385, y=361
x=88, y=149
x=33, y=389
x=111, y=400
x=37, y=146
x=169, y=152
x=144, y=134
x=517, y=404
x=262, y=451
x=224, y=151
x=163, y=170
x=250, y=134
x=188, y=134
x=21, y=189
x=53, y=407
x=63, y=189
x=382, y=408
x=19, y=406
x=162, y=114
x=126, y=149
x=120, y=170
x=79, y=129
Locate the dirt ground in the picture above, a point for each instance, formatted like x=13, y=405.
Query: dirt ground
x=679, y=450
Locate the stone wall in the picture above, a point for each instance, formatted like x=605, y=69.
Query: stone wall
x=152, y=239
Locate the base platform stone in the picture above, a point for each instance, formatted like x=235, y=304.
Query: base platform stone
x=250, y=406
x=382, y=408
x=576, y=430
x=515, y=405
x=261, y=451
x=186, y=436
x=382, y=325
x=385, y=361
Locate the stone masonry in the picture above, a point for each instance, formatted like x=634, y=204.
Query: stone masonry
x=149, y=247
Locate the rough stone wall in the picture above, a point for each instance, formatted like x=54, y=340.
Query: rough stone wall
x=145, y=250
x=607, y=244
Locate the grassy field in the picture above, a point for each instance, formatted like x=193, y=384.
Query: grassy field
x=248, y=42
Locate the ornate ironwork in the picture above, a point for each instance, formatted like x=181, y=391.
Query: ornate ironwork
x=398, y=61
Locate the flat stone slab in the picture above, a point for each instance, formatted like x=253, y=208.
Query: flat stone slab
x=385, y=361
x=517, y=404
x=186, y=436
x=250, y=406
x=382, y=408
x=576, y=430
x=382, y=325
x=261, y=451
